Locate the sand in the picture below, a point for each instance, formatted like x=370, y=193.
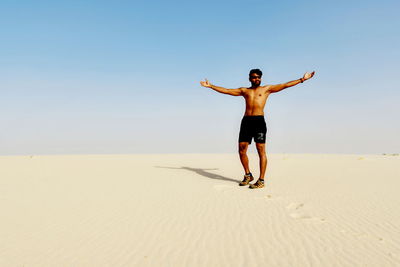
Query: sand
x=187, y=210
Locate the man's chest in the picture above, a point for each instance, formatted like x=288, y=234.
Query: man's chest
x=257, y=95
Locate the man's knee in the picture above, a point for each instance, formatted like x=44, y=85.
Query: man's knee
x=260, y=148
x=243, y=148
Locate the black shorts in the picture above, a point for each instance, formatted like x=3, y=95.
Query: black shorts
x=253, y=127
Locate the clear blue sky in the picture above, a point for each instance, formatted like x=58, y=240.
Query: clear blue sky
x=123, y=76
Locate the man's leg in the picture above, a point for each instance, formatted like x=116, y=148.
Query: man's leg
x=248, y=177
x=263, y=159
x=243, y=156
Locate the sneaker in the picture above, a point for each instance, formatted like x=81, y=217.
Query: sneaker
x=247, y=179
x=258, y=184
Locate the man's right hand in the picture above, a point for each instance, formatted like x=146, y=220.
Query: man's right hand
x=205, y=84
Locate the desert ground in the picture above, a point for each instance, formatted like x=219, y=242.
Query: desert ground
x=188, y=210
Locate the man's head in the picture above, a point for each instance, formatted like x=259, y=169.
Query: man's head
x=255, y=77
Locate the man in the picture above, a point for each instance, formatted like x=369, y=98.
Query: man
x=253, y=122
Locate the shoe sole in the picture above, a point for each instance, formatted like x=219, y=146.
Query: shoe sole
x=256, y=187
x=240, y=184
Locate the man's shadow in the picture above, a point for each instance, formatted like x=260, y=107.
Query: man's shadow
x=202, y=172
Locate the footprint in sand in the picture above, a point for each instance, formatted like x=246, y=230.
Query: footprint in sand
x=303, y=216
x=297, y=214
x=294, y=206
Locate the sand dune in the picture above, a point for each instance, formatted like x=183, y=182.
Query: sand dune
x=187, y=210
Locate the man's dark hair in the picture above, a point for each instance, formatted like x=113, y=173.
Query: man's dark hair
x=256, y=71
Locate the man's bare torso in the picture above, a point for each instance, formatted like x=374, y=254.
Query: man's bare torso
x=255, y=100
x=256, y=95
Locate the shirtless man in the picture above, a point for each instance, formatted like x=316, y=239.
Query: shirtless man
x=253, y=122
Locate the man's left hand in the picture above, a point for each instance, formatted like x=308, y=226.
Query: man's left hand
x=308, y=75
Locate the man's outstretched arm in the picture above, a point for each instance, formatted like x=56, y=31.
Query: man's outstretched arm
x=234, y=92
x=280, y=87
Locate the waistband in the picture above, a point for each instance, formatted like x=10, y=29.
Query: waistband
x=254, y=117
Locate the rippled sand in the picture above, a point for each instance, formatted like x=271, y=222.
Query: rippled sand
x=187, y=210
